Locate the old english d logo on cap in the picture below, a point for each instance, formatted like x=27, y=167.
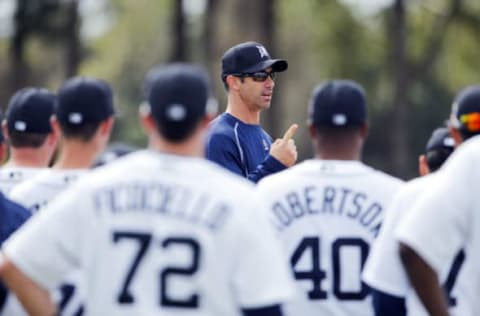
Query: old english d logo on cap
x=262, y=51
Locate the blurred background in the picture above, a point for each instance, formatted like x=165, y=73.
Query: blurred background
x=411, y=56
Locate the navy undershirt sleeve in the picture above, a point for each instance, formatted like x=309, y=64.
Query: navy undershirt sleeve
x=12, y=216
x=387, y=305
x=267, y=167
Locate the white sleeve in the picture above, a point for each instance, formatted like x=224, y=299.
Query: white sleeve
x=438, y=224
x=49, y=245
x=383, y=269
x=261, y=274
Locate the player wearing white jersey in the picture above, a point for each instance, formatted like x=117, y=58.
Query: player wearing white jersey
x=329, y=210
x=443, y=226
x=148, y=234
x=83, y=116
x=35, y=193
x=32, y=141
x=391, y=291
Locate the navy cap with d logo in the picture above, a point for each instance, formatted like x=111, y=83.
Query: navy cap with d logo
x=29, y=111
x=337, y=103
x=179, y=96
x=249, y=57
x=83, y=100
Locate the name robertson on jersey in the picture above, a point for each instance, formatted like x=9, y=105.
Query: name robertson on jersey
x=328, y=200
x=177, y=202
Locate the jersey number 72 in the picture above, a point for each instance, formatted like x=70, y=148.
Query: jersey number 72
x=144, y=242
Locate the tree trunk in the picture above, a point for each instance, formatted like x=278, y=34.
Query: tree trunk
x=179, y=41
x=211, y=43
x=399, y=149
x=19, y=68
x=267, y=26
x=73, y=47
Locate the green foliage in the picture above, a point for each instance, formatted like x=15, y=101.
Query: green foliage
x=138, y=41
x=321, y=39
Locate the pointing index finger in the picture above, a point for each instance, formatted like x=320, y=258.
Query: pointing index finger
x=290, y=132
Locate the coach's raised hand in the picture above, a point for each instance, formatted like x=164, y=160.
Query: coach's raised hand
x=284, y=149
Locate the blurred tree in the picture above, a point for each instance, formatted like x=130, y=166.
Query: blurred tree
x=179, y=39
x=140, y=39
x=73, y=45
x=209, y=36
x=411, y=58
x=407, y=71
x=51, y=21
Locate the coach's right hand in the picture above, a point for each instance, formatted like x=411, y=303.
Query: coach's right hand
x=284, y=149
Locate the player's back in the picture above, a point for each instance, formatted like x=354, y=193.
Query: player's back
x=445, y=221
x=385, y=272
x=13, y=176
x=175, y=237
x=36, y=193
x=328, y=214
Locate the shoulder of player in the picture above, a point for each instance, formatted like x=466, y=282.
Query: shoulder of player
x=417, y=184
x=222, y=125
x=387, y=179
x=18, y=173
x=29, y=185
x=464, y=158
x=225, y=179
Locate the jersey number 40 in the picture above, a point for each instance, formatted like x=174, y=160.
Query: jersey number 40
x=317, y=276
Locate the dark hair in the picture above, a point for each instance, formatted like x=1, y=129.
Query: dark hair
x=22, y=139
x=83, y=132
x=334, y=132
x=436, y=158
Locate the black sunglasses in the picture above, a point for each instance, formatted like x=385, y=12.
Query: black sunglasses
x=259, y=76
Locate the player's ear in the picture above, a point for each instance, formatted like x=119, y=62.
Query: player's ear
x=364, y=130
x=312, y=131
x=55, y=125
x=107, y=125
x=146, y=119
x=5, y=129
x=3, y=153
x=455, y=133
x=423, y=169
x=233, y=82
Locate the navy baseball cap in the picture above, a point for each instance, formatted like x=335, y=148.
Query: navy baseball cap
x=337, y=103
x=249, y=57
x=179, y=96
x=29, y=111
x=84, y=100
x=466, y=110
x=440, y=139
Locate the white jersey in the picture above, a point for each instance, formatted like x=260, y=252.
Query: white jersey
x=328, y=214
x=36, y=193
x=12, y=176
x=157, y=234
x=384, y=270
x=445, y=221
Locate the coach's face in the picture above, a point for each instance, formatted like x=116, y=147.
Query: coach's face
x=256, y=90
